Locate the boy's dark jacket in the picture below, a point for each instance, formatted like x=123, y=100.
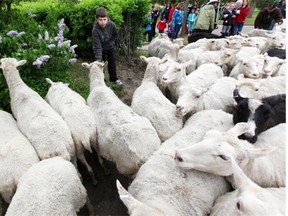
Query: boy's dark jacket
x=103, y=38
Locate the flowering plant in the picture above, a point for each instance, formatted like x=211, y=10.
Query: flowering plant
x=47, y=52
x=42, y=51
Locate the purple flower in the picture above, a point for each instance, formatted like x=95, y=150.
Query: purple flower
x=72, y=48
x=61, y=25
x=51, y=46
x=46, y=35
x=44, y=58
x=30, y=14
x=66, y=43
x=72, y=60
x=21, y=34
x=23, y=45
x=37, y=63
x=40, y=36
x=12, y=33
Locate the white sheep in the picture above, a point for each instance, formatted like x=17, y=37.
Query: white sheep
x=17, y=155
x=161, y=45
x=50, y=187
x=149, y=101
x=79, y=118
x=37, y=120
x=274, y=66
x=202, y=77
x=217, y=96
x=249, y=198
x=214, y=152
x=160, y=188
x=124, y=137
x=251, y=67
x=261, y=88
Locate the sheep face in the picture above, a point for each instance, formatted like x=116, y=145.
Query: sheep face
x=251, y=68
x=272, y=65
x=262, y=114
x=188, y=100
x=173, y=74
x=226, y=57
x=212, y=155
x=11, y=62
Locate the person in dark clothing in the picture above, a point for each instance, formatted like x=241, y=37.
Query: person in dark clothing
x=104, y=36
x=165, y=13
x=155, y=13
x=282, y=6
x=227, y=18
x=267, y=18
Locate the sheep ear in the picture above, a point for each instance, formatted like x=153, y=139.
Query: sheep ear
x=105, y=64
x=86, y=65
x=21, y=62
x=259, y=152
x=143, y=58
x=241, y=128
x=128, y=200
x=49, y=81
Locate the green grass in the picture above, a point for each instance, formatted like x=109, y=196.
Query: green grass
x=250, y=21
x=81, y=75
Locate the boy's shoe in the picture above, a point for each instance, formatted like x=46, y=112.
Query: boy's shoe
x=118, y=82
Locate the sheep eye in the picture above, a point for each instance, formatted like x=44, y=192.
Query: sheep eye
x=265, y=61
x=224, y=157
x=228, y=55
x=238, y=205
x=257, y=89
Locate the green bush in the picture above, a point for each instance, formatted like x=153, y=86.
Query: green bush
x=42, y=18
x=47, y=55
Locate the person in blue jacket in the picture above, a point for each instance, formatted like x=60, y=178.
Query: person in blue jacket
x=177, y=19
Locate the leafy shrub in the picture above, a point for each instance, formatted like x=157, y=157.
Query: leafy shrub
x=47, y=54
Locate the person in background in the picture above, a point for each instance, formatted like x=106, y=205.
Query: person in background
x=227, y=18
x=195, y=6
x=282, y=6
x=177, y=19
x=206, y=17
x=171, y=14
x=161, y=25
x=155, y=13
x=104, y=36
x=191, y=20
x=148, y=29
x=240, y=16
x=166, y=11
x=267, y=18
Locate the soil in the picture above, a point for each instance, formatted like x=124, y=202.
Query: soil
x=104, y=196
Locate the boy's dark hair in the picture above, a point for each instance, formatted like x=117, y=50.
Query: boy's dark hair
x=101, y=12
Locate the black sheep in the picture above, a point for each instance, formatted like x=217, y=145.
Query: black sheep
x=199, y=35
x=266, y=113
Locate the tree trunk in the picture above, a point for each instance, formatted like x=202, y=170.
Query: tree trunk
x=185, y=17
x=252, y=8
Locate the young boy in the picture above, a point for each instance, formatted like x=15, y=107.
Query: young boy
x=104, y=36
x=161, y=25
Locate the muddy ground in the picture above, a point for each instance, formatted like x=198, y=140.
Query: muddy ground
x=104, y=196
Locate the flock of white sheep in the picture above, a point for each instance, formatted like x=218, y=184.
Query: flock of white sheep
x=176, y=142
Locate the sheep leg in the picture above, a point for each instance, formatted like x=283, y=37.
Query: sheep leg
x=90, y=207
x=96, y=148
x=89, y=168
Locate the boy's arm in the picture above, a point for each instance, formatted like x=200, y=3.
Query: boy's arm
x=97, y=47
